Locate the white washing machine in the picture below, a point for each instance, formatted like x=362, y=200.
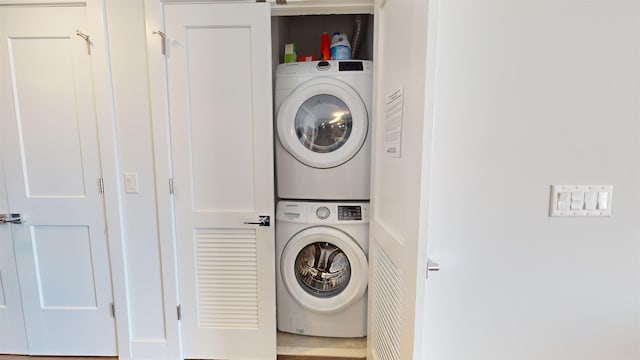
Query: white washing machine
x=321, y=255
x=323, y=113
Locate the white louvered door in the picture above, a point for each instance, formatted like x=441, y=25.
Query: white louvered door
x=220, y=118
x=401, y=161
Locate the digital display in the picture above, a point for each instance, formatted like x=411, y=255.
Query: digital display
x=349, y=213
x=350, y=66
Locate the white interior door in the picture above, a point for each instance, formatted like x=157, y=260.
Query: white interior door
x=49, y=150
x=400, y=178
x=13, y=338
x=220, y=114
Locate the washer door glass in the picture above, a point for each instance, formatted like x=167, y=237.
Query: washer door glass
x=322, y=269
x=323, y=123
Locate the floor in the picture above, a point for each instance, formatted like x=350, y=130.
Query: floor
x=298, y=347
x=21, y=357
x=280, y=357
x=290, y=347
x=287, y=357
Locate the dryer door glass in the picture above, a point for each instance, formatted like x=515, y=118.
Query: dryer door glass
x=322, y=269
x=323, y=123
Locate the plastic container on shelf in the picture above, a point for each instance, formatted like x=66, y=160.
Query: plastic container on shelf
x=340, y=47
x=290, y=53
x=306, y=58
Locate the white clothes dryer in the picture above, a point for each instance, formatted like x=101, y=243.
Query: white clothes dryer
x=321, y=255
x=323, y=113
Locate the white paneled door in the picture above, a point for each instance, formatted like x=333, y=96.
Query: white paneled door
x=403, y=120
x=220, y=118
x=50, y=157
x=13, y=338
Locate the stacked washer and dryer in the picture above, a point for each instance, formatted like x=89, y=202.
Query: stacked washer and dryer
x=322, y=167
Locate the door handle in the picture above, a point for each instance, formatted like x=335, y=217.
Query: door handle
x=10, y=218
x=265, y=220
x=432, y=266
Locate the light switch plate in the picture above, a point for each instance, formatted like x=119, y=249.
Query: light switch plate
x=131, y=183
x=584, y=200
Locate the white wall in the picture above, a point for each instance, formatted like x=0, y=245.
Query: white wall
x=529, y=94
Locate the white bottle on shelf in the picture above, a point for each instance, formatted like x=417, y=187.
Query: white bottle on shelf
x=340, y=47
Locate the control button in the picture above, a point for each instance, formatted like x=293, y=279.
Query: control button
x=563, y=200
x=577, y=195
x=323, y=212
x=590, y=198
x=603, y=200
x=576, y=200
x=323, y=65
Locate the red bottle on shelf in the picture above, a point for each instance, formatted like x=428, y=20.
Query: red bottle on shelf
x=325, y=47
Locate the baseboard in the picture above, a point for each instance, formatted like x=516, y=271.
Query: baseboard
x=294, y=357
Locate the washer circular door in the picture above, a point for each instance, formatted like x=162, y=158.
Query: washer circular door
x=323, y=123
x=324, y=269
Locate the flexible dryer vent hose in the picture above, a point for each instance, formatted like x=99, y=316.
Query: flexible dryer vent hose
x=360, y=22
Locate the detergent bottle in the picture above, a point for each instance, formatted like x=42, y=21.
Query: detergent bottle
x=340, y=47
x=324, y=47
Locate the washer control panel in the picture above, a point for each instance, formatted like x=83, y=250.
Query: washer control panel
x=349, y=212
x=323, y=212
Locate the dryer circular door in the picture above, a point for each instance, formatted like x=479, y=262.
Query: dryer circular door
x=324, y=269
x=323, y=123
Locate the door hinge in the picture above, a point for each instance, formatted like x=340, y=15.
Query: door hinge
x=113, y=310
x=179, y=310
x=101, y=185
x=171, y=186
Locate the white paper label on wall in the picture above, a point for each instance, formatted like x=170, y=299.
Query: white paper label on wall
x=393, y=123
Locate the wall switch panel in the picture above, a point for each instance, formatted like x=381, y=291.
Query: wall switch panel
x=580, y=200
x=131, y=183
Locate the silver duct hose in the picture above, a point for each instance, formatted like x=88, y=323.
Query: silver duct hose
x=358, y=32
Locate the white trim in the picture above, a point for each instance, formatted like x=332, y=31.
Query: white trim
x=107, y=134
x=150, y=349
x=321, y=7
x=32, y=3
x=162, y=160
x=170, y=2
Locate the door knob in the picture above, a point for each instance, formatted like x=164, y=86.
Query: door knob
x=432, y=265
x=10, y=218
